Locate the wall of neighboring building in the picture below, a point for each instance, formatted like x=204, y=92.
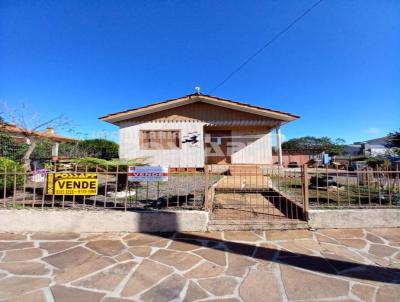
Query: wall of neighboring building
x=366, y=150
x=301, y=159
x=189, y=155
x=378, y=150
x=251, y=147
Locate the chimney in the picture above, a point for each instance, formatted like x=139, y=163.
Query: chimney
x=49, y=131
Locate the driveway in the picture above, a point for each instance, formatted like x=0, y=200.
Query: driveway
x=299, y=265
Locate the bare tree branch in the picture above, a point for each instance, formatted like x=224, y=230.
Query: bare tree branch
x=31, y=126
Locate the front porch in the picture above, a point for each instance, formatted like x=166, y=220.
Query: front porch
x=233, y=143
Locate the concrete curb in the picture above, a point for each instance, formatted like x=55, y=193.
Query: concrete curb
x=13, y=220
x=357, y=218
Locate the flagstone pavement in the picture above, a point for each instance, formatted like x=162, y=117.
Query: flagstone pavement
x=298, y=265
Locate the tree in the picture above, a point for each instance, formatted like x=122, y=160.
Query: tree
x=393, y=142
x=30, y=124
x=315, y=145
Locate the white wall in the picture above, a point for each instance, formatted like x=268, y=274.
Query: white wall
x=188, y=156
x=15, y=221
x=258, y=150
x=358, y=218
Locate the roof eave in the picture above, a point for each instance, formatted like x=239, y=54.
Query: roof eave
x=129, y=114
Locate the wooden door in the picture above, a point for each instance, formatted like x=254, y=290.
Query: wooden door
x=217, y=146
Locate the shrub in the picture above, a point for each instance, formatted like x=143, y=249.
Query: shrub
x=42, y=149
x=100, y=148
x=10, y=166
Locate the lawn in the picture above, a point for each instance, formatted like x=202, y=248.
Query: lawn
x=349, y=193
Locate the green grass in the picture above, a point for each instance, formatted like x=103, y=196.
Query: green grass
x=346, y=196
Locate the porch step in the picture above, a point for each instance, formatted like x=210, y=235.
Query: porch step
x=244, y=182
x=245, y=170
x=253, y=225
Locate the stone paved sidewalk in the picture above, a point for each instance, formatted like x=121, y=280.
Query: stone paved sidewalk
x=326, y=265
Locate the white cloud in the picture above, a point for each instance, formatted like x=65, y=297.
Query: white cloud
x=373, y=130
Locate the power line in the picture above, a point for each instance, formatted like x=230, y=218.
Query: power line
x=269, y=42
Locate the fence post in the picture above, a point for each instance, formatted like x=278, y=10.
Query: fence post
x=206, y=180
x=305, y=191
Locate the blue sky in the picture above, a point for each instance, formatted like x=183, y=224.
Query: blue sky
x=339, y=68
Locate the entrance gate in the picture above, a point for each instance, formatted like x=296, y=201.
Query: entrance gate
x=256, y=195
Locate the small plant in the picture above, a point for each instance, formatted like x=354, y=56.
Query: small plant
x=11, y=174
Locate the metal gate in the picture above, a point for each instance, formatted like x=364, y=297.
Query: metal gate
x=245, y=193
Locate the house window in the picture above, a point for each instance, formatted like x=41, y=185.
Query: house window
x=160, y=139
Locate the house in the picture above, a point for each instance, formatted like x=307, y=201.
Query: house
x=372, y=147
x=19, y=136
x=199, y=129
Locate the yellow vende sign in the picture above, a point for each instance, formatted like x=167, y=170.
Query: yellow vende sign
x=72, y=183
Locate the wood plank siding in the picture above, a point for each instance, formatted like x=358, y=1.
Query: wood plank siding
x=189, y=155
x=206, y=113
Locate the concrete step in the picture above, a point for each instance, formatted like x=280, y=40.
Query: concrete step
x=253, y=225
x=258, y=205
x=245, y=170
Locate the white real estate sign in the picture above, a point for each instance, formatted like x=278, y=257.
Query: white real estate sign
x=148, y=173
x=38, y=175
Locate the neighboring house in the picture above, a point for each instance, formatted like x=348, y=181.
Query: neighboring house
x=18, y=136
x=198, y=129
x=372, y=147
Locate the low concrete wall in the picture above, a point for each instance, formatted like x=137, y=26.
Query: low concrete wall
x=101, y=221
x=357, y=218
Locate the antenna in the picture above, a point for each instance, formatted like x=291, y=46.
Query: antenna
x=197, y=88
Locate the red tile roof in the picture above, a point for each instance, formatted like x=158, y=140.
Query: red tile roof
x=10, y=128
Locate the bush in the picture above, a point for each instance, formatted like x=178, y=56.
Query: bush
x=100, y=148
x=10, y=166
x=42, y=150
